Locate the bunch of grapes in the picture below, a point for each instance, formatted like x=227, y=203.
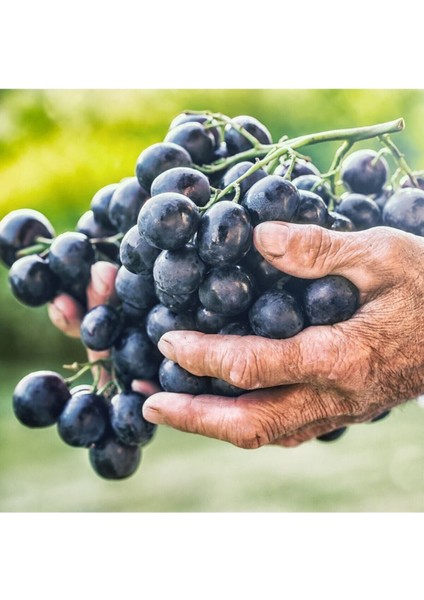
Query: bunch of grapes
x=180, y=231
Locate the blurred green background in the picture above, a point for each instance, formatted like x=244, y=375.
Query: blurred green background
x=57, y=148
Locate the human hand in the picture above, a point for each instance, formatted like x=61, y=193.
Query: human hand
x=66, y=314
x=325, y=377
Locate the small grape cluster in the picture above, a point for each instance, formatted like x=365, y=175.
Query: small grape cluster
x=181, y=232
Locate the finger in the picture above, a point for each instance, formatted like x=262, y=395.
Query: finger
x=66, y=314
x=101, y=288
x=310, y=252
x=249, y=421
x=252, y=362
x=146, y=387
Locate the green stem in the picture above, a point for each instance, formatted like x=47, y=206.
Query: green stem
x=399, y=157
x=334, y=167
x=83, y=368
x=108, y=240
x=288, y=173
x=35, y=249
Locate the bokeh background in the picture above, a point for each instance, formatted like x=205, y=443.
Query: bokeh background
x=57, y=148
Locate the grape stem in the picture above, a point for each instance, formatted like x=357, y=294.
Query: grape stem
x=82, y=368
x=399, y=157
x=272, y=152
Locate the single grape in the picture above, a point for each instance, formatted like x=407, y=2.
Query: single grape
x=312, y=209
x=100, y=204
x=363, y=172
x=134, y=355
x=208, y=321
x=158, y=158
x=39, y=398
x=136, y=254
x=84, y=420
x=160, y=320
x=88, y=225
x=219, y=387
x=225, y=234
x=133, y=316
x=228, y=290
x=174, y=378
x=179, y=271
x=185, y=181
x=237, y=171
x=301, y=167
x=20, y=229
x=126, y=417
x=100, y=327
x=125, y=204
x=237, y=142
x=193, y=137
x=405, y=210
x=138, y=290
x=199, y=118
x=313, y=183
x=264, y=273
x=331, y=436
x=111, y=459
x=338, y=222
x=330, y=300
x=177, y=303
x=168, y=221
x=32, y=281
x=237, y=328
x=271, y=199
x=276, y=315
x=70, y=257
x=361, y=210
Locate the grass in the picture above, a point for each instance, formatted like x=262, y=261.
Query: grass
x=376, y=467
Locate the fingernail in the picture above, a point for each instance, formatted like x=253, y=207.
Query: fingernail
x=271, y=238
x=152, y=412
x=165, y=346
x=99, y=284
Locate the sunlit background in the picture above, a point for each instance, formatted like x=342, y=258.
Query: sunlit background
x=57, y=148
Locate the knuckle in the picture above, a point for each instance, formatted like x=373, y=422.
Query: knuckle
x=318, y=247
x=243, y=369
x=257, y=432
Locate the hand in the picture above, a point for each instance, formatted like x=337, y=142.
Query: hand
x=325, y=377
x=66, y=314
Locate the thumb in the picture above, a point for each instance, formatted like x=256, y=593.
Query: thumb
x=308, y=251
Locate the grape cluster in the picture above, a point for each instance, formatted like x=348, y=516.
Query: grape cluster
x=181, y=232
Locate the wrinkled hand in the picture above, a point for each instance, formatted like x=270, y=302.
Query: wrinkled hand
x=325, y=377
x=66, y=314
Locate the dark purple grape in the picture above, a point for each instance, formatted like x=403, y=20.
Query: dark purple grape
x=20, y=229
x=177, y=303
x=193, y=137
x=138, y=290
x=160, y=320
x=186, y=181
x=100, y=204
x=208, y=321
x=237, y=142
x=301, y=167
x=189, y=118
x=136, y=254
x=338, y=222
x=228, y=290
x=331, y=436
x=363, y=173
x=271, y=199
x=264, y=273
x=179, y=271
x=405, y=210
x=277, y=315
x=168, y=221
x=383, y=196
x=237, y=328
x=32, y=281
x=134, y=355
x=313, y=183
x=158, y=158
x=88, y=225
x=111, y=459
x=128, y=423
x=84, y=420
x=312, y=209
x=100, y=327
x=39, y=398
x=219, y=387
x=330, y=300
x=237, y=171
x=225, y=234
x=133, y=316
x=361, y=210
x=71, y=256
x=174, y=378
x=125, y=204
x=381, y=416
